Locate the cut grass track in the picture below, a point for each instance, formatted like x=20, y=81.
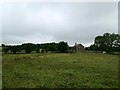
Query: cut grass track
x=77, y=70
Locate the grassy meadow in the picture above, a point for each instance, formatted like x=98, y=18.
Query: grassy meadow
x=56, y=70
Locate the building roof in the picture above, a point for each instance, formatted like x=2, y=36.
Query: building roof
x=78, y=45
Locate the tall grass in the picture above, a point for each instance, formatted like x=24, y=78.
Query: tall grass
x=79, y=70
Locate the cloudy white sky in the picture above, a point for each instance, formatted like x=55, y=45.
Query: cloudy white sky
x=38, y=22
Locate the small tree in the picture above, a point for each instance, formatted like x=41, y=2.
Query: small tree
x=37, y=48
x=29, y=47
x=63, y=46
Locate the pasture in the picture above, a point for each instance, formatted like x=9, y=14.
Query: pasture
x=60, y=70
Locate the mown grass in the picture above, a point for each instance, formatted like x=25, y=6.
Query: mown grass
x=77, y=70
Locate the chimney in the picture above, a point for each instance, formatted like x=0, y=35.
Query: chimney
x=75, y=44
x=75, y=47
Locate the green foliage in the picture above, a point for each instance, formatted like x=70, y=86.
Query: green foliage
x=29, y=47
x=42, y=51
x=37, y=48
x=52, y=47
x=14, y=49
x=108, y=42
x=63, y=46
x=5, y=49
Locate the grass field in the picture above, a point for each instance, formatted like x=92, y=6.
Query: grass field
x=80, y=70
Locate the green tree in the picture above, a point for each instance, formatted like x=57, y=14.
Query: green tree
x=5, y=48
x=28, y=47
x=37, y=48
x=108, y=42
x=14, y=49
x=62, y=46
x=52, y=46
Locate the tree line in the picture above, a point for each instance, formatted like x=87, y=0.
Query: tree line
x=107, y=42
x=29, y=47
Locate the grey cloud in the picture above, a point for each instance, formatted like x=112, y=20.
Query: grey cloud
x=47, y=22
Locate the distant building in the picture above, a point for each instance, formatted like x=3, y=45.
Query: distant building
x=77, y=48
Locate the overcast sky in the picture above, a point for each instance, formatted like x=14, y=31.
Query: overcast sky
x=53, y=22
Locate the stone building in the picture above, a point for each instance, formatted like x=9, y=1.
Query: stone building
x=77, y=48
